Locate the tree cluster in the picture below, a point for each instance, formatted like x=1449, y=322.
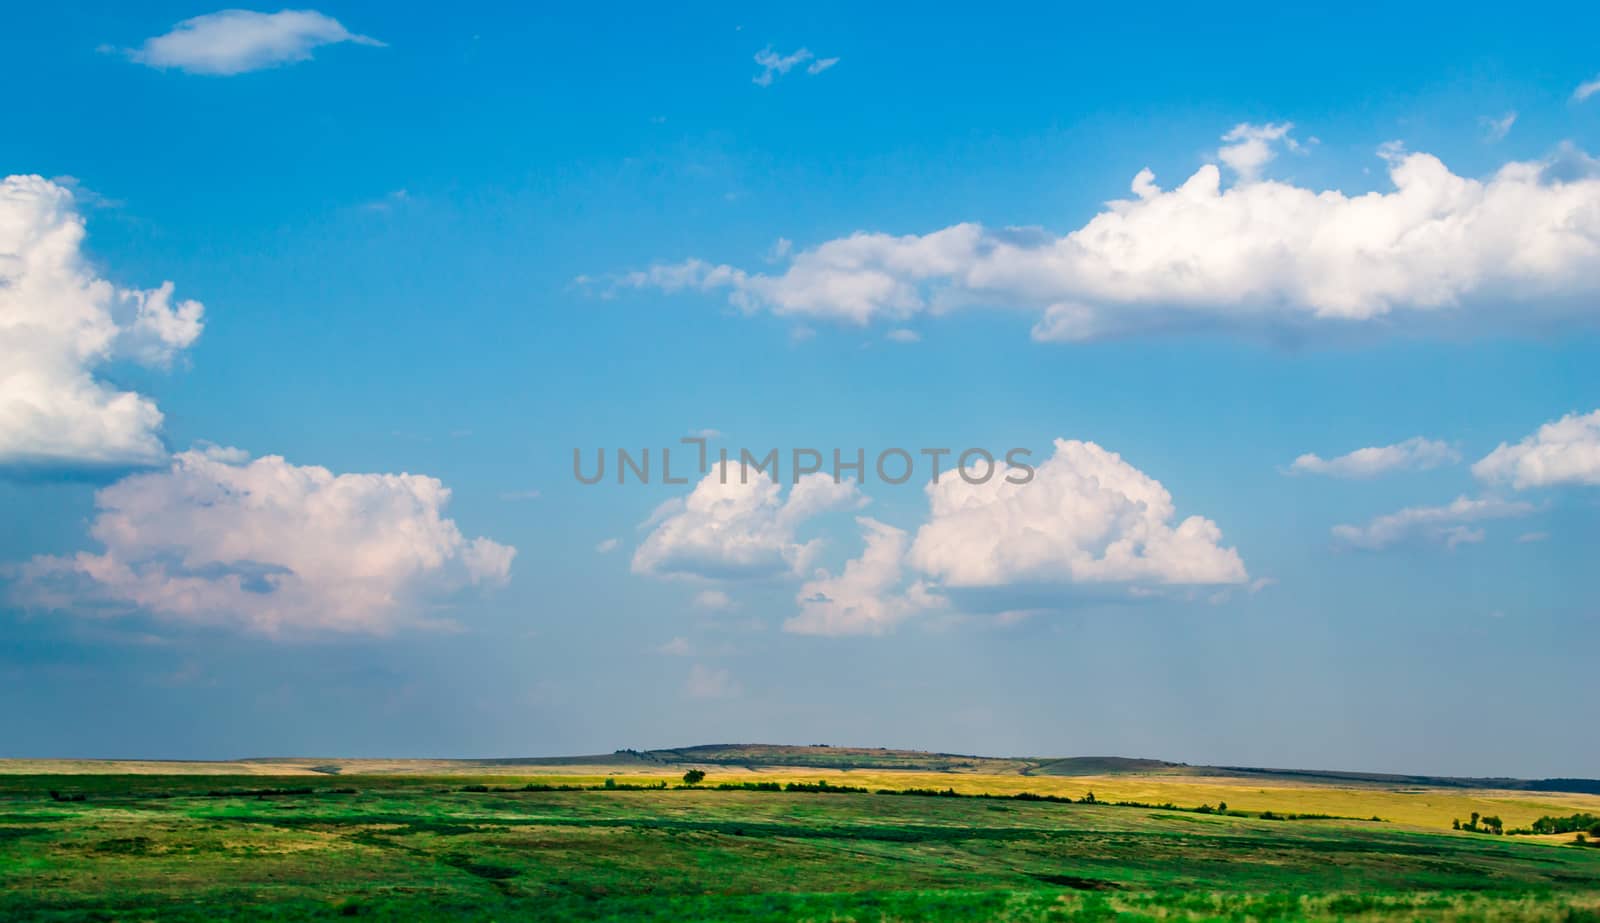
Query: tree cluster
x=1484, y=823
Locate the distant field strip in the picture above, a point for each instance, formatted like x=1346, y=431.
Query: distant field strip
x=1422, y=807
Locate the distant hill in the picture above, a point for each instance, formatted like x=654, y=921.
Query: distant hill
x=1580, y=786
x=759, y=757
x=1110, y=766
x=756, y=756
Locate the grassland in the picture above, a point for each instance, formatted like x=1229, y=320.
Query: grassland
x=1422, y=801
x=403, y=843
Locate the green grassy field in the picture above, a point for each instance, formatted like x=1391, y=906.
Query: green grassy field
x=413, y=847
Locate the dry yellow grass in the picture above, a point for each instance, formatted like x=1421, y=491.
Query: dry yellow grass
x=309, y=766
x=1418, y=806
x=142, y=768
x=1423, y=807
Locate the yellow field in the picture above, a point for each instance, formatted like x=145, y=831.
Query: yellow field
x=289, y=767
x=1422, y=807
x=1418, y=806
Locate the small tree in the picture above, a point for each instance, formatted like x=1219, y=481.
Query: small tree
x=693, y=777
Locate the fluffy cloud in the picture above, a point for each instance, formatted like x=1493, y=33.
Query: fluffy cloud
x=1086, y=517
x=864, y=598
x=269, y=547
x=710, y=683
x=774, y=65
x=235, y=41
x=1566, y=451
x=1586, y=89
x=729, y=530
x=713, y=600
x=1414, y=454
x=1249, y=148
x=1451, y=524
x=59, y=323
x=1258, y=255
x=677, y=647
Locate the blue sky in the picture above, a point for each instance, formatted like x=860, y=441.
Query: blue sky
x=441, y=250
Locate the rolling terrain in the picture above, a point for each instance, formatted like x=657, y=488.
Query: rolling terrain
x=775, y=833
x=1427, y=801
x=414, y=847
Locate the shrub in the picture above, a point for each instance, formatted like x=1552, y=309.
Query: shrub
x=823, y=786
x=1030, y=796
x=749, y=787
x=693, y=777
x=1569, y=824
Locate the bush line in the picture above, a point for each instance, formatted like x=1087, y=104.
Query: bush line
x=823, y=786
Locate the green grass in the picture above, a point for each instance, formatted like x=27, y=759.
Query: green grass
x=413, y=847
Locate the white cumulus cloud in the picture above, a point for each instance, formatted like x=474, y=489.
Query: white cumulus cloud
x=725, y=529
x=59, y=324
x=1414, y=454
x=1566, y=451
x=268, y=547
x=1086, y=517
x=1249, y=148
x=236, y=41
x=1258, y=256
x=1452, y=524
x=865, y=598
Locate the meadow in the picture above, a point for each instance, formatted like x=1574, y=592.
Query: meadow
x=320, y=840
